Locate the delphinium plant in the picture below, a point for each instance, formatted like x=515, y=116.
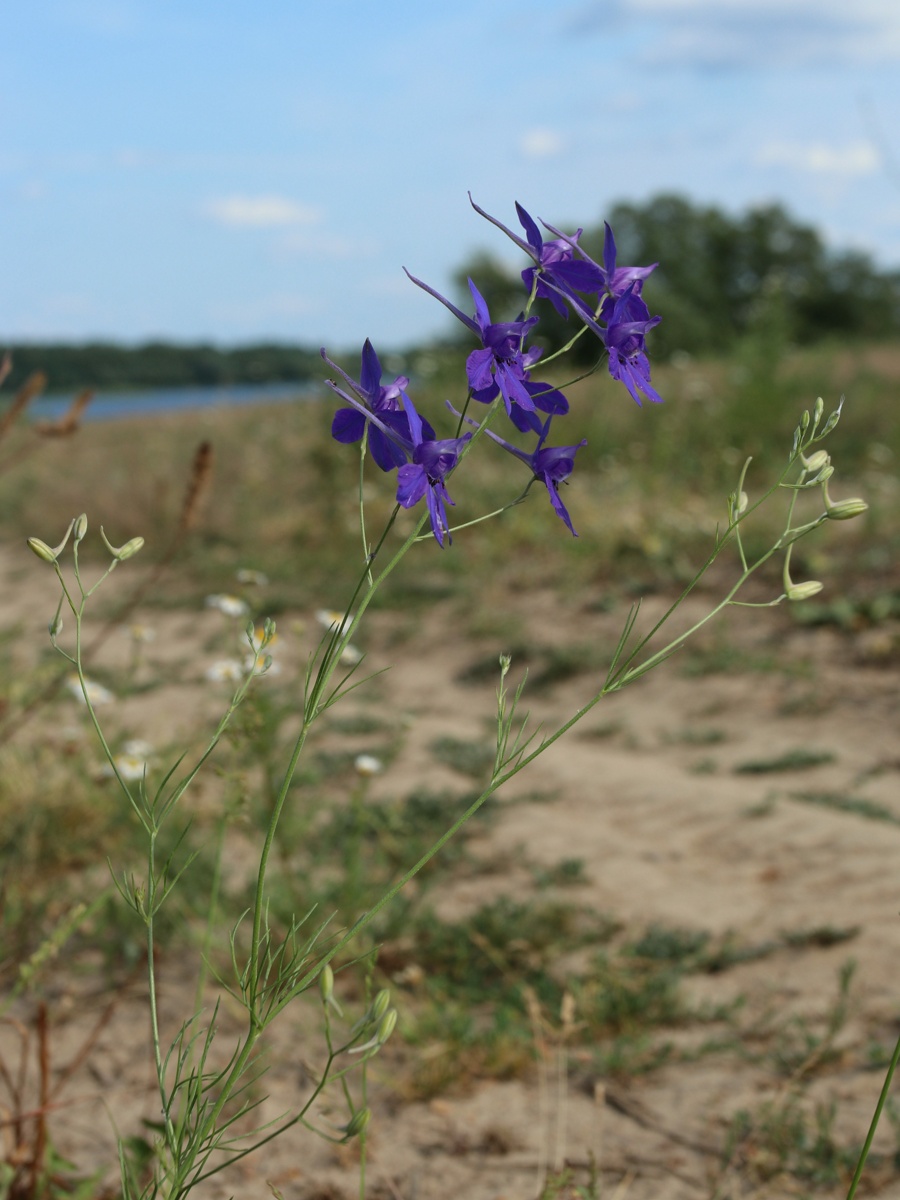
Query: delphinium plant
x=506, y=405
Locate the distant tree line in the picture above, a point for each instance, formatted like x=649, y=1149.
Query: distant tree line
x=108, y=366
x=720, y=278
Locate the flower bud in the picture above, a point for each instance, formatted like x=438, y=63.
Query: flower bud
x=55, y=626
x=130, y=548
x=41, y=549
x=804, y=591
x=816, y=461
x=358, y=1122
x=846, y=510
x=120, y=553
x=819, y=410
x=48, y=553
x=379, y=1005
x=80, y=527
x=326, y=983
x=386, y=1026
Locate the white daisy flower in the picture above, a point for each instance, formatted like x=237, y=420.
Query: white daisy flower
x=231, y=606
x=332, y=619
x=97, y=693
x=367, y=765
x=350, y=655
x=225, y=670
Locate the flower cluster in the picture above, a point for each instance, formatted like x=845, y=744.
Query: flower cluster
x=605, y=298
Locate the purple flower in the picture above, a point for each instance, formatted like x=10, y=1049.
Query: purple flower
x=349, y=424
x=431, y=462
x=552, y=465
x=561, y=275
x=628, y=320
x=501, y=366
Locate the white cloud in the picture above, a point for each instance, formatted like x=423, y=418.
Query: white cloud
x=260, y=212
x=819, y=158
x=323, y=245
x=717, y=34
x=541, y=143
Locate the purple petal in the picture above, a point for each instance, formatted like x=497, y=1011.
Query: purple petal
x=412, y=483
x=348, y=425
x=370, y=371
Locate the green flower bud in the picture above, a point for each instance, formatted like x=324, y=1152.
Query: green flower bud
x=846, y=510
x=379, y=1005
x=358, y=1122
x=131, y=547
x=804, y=591
x=41, y=549
x=326, y=983
x=816, y=461
x=80, y=528
x=120, y=553
x=386, y=1026
x=49, y=553
x=818, y=410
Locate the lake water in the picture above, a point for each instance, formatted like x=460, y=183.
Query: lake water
x=107, y=406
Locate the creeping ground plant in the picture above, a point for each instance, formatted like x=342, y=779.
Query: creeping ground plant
x=511, y=401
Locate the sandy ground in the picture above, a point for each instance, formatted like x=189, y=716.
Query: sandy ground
x=668, y=831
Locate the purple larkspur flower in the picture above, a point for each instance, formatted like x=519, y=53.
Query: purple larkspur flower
x=432, y=462
x=424, y=461
x=552, y=465
x=562, y=270
x=500, y=367
x=628, y=321
x=349, y=424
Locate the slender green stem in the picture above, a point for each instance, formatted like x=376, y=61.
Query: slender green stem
x=879, y=1109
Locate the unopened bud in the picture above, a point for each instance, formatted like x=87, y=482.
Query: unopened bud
x=120, y=553
x=819, y=410
x=846, y=510
x=804, y=591
x=386, y=1026
x=379, y=1005
x=326, y=983
x=80, y=527
x=49, y=553
x=41, y=549
x=55, y=626
x=358, y=1122
x=816, y=461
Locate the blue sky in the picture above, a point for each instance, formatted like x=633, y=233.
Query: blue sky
x=232, y=172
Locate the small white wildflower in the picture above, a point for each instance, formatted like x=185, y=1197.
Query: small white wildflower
x=225, y=670
x=97, y=693
x=367, y=765
x=350, y=655
x=138, y=748
x=253, y=578
x=130, y=767
x=142, y=633
x=231, y=606
x=332, y=619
